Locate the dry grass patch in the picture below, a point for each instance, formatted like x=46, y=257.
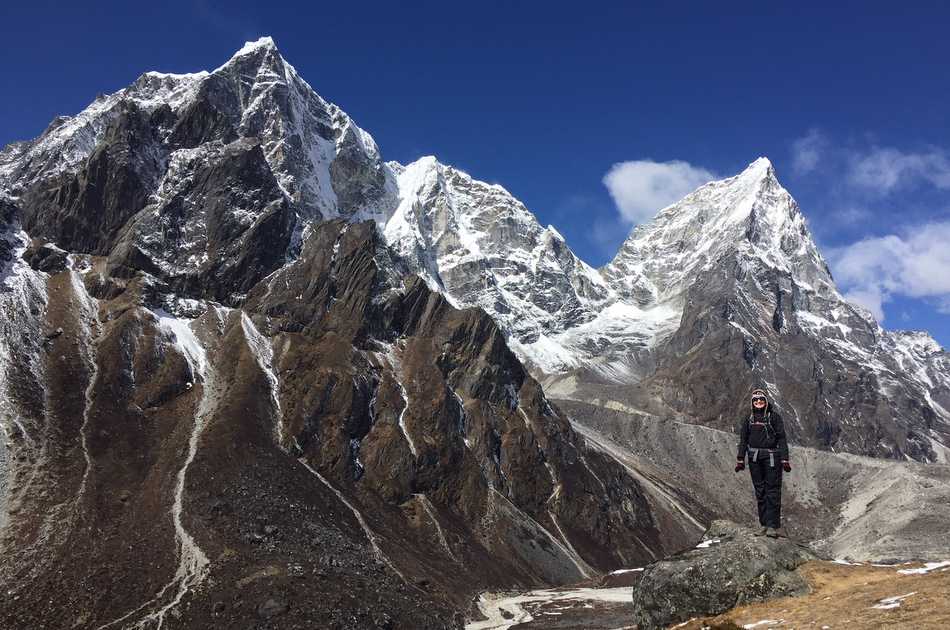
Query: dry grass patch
x=850, y=596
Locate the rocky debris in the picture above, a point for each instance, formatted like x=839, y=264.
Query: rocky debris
x=554, y=609
x=848, y=595
x=271, y=608
x=46, y=257
x=731, y=566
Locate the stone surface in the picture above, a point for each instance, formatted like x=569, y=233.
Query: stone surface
x=731, y=566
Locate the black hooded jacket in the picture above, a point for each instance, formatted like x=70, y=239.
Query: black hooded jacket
x=764, y=430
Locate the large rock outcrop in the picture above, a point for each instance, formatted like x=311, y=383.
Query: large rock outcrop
x=731, y=566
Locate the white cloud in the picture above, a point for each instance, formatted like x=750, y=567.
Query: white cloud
x=886, y=169
x=641, y=188
x=807, y=151
x=915, y=264
x=870, y=298
x=869, y=168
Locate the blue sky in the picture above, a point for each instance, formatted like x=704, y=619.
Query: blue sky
x=849, y=101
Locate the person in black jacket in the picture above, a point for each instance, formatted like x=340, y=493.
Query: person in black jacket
x=762, y=439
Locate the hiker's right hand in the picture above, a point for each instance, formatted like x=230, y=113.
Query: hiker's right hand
x=740, y=465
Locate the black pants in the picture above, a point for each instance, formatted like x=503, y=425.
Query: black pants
x=767, y=481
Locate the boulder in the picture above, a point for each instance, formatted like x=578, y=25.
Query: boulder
x=46, y=257
x=731, y=566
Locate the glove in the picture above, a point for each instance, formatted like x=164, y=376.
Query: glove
x=786, y=467
x=740, y=465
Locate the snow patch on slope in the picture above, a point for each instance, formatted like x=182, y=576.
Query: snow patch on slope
x=263, y=354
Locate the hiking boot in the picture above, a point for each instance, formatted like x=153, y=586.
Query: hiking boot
x=762, y=531
x=776, y=532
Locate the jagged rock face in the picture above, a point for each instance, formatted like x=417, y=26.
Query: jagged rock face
x=347, y=446
x=179, y=171
x=729, y=568
x=418, y=398
x=209, y=181
x=85, y=210
x=201, y=376
x=840, y=381
x=9, y=224
x=480, y=246
x=721, y=292
x=733, y=294
x=221, y=223
x=757, y=307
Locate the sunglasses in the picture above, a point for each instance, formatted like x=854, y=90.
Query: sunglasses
x=755, y=400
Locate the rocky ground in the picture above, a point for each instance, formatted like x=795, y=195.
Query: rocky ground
x=841, y=596
x=837, y=594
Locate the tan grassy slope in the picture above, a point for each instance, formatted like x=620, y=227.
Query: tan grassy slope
x=845, y=596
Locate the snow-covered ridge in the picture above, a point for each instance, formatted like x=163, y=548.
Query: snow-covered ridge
x=482, y=247
x=69, y=140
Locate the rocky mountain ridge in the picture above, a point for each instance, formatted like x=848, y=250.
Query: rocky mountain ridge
x=731, y=265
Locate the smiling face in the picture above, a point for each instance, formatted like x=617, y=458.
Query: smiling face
x=758, y=402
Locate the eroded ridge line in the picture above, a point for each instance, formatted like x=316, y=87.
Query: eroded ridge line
x=373, y=539
x=396, y=366
x=264, y=355
x=427, y=506
x=527, y=422
x=603, y=446
x=192, y=561
x=576, y=557
x=402, y=418
x=91, y=311
x=571, y=555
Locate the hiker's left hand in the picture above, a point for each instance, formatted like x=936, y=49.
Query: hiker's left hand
x=786, y=467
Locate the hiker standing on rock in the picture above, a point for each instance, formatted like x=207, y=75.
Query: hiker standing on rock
x=762, y=439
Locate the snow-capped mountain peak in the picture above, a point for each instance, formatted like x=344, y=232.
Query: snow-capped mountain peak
x=326, y=165
x=482, y=247
x=750, y=212
x=263, y=45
